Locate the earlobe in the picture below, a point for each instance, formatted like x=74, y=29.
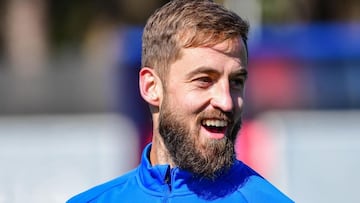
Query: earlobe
x=149, y=85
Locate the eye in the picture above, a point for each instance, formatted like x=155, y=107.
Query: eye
x=237, y=83
x=204, y=82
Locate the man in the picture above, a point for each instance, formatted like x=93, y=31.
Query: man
x=193, y=74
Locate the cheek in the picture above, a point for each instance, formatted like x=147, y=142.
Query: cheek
x=195, y=103
x=183, y=104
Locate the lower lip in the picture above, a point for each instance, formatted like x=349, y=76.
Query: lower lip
x=212, y=134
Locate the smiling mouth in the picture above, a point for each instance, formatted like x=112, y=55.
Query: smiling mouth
x=215, y=125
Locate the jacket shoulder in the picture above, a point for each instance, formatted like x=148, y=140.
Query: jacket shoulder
x=97, y=191
x=255, y=188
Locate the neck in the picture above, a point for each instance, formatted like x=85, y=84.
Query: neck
x=159, y=155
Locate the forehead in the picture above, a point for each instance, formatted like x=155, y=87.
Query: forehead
x=231, y=50
x=227, y=57
x=234, y=48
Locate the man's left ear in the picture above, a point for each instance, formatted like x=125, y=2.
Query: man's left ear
x=150, y=86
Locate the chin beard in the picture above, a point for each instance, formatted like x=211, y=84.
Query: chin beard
x=184, y=148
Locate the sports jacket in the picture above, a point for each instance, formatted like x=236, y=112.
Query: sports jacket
x=160, y=183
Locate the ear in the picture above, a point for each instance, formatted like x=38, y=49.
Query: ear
x=150, y=86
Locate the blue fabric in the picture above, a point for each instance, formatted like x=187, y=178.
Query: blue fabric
x=316, y=41
x=148, y=183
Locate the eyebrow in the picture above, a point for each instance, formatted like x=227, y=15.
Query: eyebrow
x=202, y=69
x=209, y=70
x=241, y=73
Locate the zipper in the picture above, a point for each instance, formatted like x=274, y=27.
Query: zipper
x=167, y=181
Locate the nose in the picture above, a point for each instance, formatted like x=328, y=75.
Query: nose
x=222, y=98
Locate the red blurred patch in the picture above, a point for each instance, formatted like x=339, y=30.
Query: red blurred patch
x=255, y=147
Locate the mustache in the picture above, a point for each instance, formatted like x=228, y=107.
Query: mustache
x=217, y=114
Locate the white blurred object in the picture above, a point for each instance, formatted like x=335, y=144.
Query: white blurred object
x=316, y=154
x=51, y=158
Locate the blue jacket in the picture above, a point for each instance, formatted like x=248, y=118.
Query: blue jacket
x=150, y=184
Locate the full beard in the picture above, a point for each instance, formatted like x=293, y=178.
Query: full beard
x=186, y=151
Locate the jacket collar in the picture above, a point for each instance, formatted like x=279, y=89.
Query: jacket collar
x=160, y=178
x=154, y=179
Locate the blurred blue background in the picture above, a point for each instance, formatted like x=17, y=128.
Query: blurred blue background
x=71, y=115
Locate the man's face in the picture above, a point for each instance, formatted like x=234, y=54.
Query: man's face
x=200, y=114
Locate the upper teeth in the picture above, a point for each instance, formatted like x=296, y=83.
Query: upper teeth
x=216, y=123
